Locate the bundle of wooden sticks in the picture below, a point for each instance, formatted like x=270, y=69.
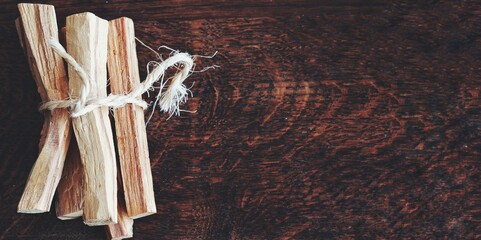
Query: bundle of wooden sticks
x=83, y=172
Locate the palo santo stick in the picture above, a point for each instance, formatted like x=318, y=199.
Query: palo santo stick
x=38, y=23
x=129, y=121
x=70, y=199
x=87, y=43
x=21, y=37
x=70, y=189
x=124, y=228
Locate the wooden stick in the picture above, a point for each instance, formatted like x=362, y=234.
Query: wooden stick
x=21, y=37
x=69, y=204
x=70, y=189
x=38, y=23
x=124, y=227
x=129, y=121
x=87, y=43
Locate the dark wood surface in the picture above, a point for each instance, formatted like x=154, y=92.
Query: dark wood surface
x=327, y=120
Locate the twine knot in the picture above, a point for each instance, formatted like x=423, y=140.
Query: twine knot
x=168, y=101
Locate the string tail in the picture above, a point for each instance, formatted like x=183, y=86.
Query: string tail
x=177, y=93
x=170, y=100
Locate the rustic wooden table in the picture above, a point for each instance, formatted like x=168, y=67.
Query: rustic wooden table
x=327, y=119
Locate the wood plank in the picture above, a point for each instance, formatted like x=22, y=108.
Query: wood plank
x=318, y=125
x=129, y=121
x=87, y=43
x=198, y=9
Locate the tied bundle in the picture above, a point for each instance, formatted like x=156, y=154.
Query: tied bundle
x=83, y=170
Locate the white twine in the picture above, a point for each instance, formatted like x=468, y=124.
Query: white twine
x=168, y=101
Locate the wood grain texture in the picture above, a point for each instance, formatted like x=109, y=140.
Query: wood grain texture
x=341, y=122
x=36, y=24
x=70, y=199
x=130, y=131
x=87, y=43
x=124, y=228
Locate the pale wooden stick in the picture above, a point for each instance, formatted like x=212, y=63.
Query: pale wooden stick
x=87, y=43
x=38, y=23
x=129, y=121
x=124, y=227
x=70, y=199
x=21, y=37
x=70, y=189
